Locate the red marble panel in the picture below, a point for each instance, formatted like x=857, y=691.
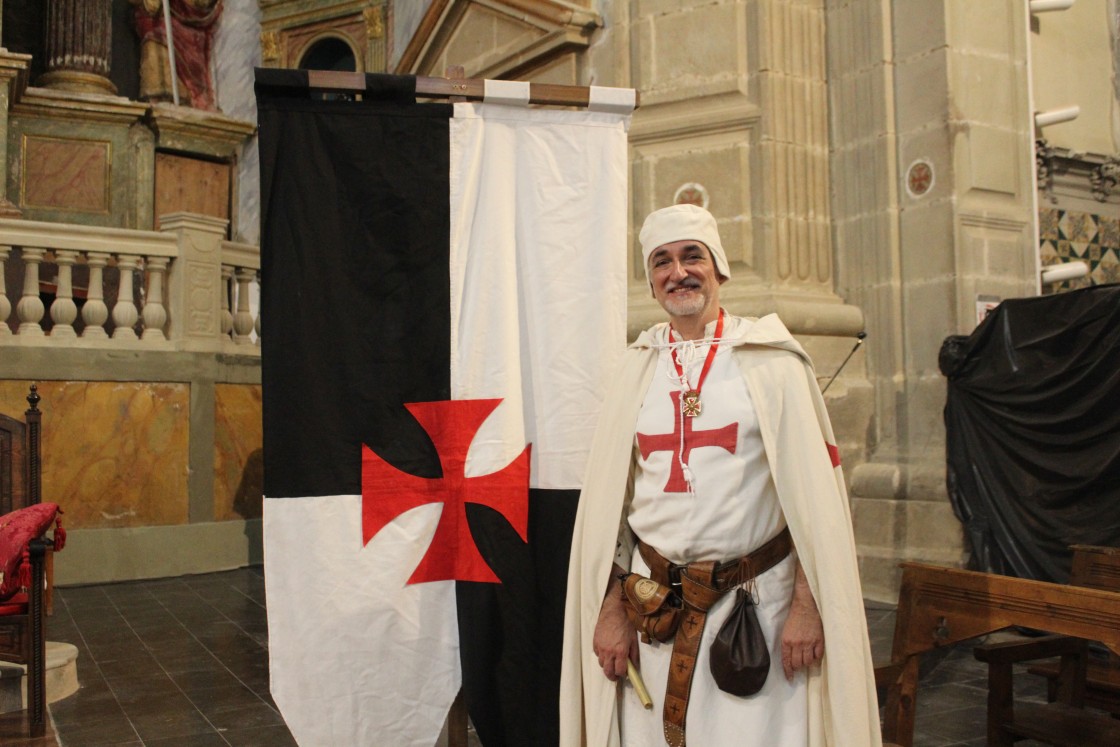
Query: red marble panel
x=65, y=174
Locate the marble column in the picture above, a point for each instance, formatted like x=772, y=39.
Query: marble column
x=78, y=46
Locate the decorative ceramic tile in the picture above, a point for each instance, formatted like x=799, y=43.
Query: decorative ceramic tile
x=1048, y=223
x=1081, y=227
x=1110, y=233
x=1071, y=235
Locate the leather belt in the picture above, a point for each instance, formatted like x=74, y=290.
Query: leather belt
x=701, y=585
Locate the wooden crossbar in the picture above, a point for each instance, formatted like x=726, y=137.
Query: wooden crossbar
x=471, y=89
x=941, y=606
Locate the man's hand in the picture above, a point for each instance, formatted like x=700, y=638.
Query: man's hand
x=615, y=639
x=803, y=633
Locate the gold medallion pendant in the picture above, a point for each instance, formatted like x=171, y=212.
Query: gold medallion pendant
x=690, y=403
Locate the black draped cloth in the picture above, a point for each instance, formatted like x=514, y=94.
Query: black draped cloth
x=1032, y=424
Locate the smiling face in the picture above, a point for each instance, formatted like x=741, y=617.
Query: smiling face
x=685, y=281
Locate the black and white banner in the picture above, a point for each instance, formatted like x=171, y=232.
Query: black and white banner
x=443, y=297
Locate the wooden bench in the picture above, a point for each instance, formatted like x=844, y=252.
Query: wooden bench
x=1093, y=567
x=942, y=606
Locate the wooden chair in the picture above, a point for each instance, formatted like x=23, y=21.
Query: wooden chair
x=22, y=617
x=22, y=639
x=939, y=607
x=21, y=472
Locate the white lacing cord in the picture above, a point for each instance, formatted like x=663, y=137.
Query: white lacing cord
x=690, y=349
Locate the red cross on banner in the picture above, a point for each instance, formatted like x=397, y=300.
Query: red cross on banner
x=725, y=437
x=387, y=492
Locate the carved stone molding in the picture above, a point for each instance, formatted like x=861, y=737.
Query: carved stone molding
x=1071, y=171
x=530, y=34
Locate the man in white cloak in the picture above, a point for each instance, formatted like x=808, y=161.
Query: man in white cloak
x=713, y=440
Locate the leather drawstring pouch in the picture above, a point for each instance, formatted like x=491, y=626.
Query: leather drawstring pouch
x=739, y=657
x=653, y=609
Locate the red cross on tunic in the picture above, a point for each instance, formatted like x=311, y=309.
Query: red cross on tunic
x=726, y=437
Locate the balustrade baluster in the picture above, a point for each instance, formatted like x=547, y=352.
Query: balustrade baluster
x=227, y=315
x=30, y=308
x=243, y=320
x=124, y=310
x=5, y=304
x=64, y=311
x=154, y=313
x=94, y=311
x=257, y=323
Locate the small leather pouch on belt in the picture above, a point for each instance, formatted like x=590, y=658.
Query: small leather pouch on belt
x=654, y=609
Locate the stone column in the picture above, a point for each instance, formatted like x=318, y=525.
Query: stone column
x=932, y=150
x=78, y=46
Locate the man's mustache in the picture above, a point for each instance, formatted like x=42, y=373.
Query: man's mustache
x=686, y=283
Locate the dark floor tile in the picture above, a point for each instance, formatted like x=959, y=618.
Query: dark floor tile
x=162, y=717
x=197, y=617
x=183, y=663
x=209, y=681
x=234, y=695
x=265, y=736
x=142, y=687
x=109, y=728
x=140, y=663
x=249, y=716
x=82, y=597
x=101, y=625
x=86, y=704
x=173, y=647
x=952, y=725
x=209, y=739
x=938, y=699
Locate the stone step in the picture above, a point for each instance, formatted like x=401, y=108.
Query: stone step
x=62, y=677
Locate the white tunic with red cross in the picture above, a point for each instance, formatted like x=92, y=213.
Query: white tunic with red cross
x=731, y=509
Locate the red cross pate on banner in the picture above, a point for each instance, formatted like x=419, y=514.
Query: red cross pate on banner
x=725, y=437
x=388, y=492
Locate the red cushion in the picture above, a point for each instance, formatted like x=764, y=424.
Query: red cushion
x=17, y=605
x=17, y=529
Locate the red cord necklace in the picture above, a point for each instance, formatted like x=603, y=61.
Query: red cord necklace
x=690, y=400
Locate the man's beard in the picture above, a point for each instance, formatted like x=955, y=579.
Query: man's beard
x=690, y=305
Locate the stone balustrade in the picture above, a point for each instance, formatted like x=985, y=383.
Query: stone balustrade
x=183, y=287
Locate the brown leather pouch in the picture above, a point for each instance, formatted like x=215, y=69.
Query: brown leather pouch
x=739, y=656
x=653, y=609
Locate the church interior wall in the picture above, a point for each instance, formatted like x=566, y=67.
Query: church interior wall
x=152, y=449
x=139, y=446
x=869, y=163
x=1079, y=208
x=1072, y=65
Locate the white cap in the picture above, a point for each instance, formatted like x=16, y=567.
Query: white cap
x=682, y=223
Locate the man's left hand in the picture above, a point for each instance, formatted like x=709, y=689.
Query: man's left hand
x=803, y=633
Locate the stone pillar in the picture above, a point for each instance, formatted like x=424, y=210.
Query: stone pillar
x=795, y=247
x=78, y=46
x=932, y=177
x=195, y=281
